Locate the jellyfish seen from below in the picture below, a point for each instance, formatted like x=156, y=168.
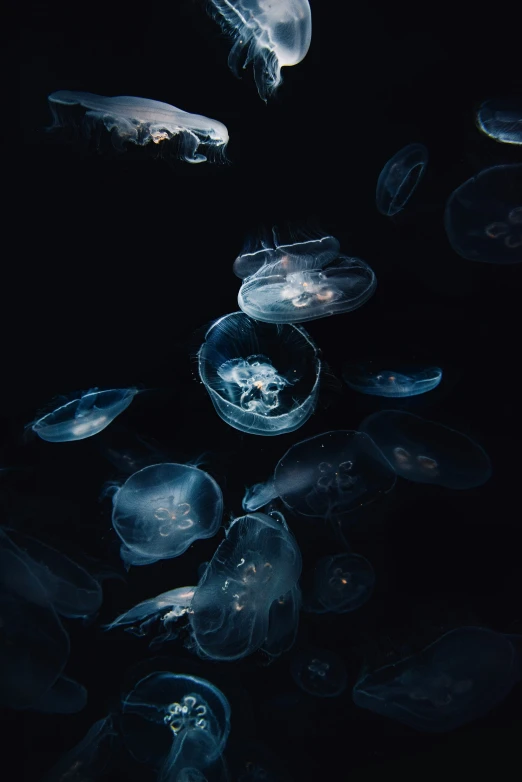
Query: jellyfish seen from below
x=399, y=178
x=341, y=583
x=426, y=452
x=458, y=678
x=232, y=611
x=177, y=722
x=131, y=120
x=375, y=381
x=501, y=120
x=166, y=608
x=262, y=379
x=269, y=35
x=326, y=476
x=483, y=217
x=162, y=509
x=319, y=672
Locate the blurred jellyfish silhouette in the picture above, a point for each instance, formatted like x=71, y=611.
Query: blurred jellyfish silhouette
x=399, y=178
x=90, y=758
x=293, y=283
x=162, y=509
x=326, y=476
x=458, y=678
x=341, y=583
x=262, y=379
x=376, y=381
x=268, y=35
x=131, y=120
x=176, y=722
x=165, y=608
x=252, y=761
x=319, y=672
x=501, y=120
x=426, y=452
x=483, y=217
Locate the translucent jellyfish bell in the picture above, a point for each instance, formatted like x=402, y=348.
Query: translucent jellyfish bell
x=270, y=35
x=376, y=381
x=90, y=756
x=311, y=254
x=501, y=120
x=167, y=608
x=162, y=509
x=341, y=583
x=399, y=178
x=263, y=379
x=319, y=672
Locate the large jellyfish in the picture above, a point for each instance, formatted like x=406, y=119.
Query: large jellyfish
x=376, y=381
x=262, y=378
x=399, y=178
x=341, y=583
x=319, y=672
x=483, y=217
x=139, y=121
x=162, y=509
x=501, y=120
x=426, y=452
x=456, y=679
x=268, y=34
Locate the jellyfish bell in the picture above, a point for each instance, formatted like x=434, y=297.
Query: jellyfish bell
x=399, y=178
x=307, y=255
x=376, y=380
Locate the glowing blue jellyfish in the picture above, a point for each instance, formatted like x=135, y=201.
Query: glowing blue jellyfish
x=326, y=476
x=83, y=417
x=267, y=34
x=139, y=121
x=161, y=510
x=454, y=680
x=399, y=178
x=426, y=452
x=232, y=611
x=319, y=672
x=177, y=722
x=501, y=120
x=341, y=583
x=375, y=381
x=262, y=379
x=89, y=759
x=166, y=608
x=483, y=217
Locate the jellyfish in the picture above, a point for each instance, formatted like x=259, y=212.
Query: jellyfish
x=426, y=452
x=501, y=120
x=139, y=121
x=326, y=476
x=319, y=672
x=341, y=583
x=162, y=509
x=376, y=381
x=83, y=417
x=262, y=379
x=458, y=678
x=399, y=178
x=232, y=611
x=167, y=608
x=90, y=758
x=483, y=217
x=267, y=34
x=310, y=254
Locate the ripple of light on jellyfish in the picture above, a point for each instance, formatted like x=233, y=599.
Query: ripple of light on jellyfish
x=268, y=35
x=456, y=679
x=341, y=583
x=426, y=452
x=139, y=121
x=262, y=379
x=501, y=120
x=167, y=608
x=232, y=611
x=83, y=417
x=399, y=178
x=483, y=217
x=162, y=509
x=389, y=383
x=319, y=672
x=176, y=722
x=326, y=476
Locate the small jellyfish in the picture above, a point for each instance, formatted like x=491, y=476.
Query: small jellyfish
x=373, y=381
x=399, y=178
x=483, y=217
x=426, y=452
x=83, y=417
x=139, y=121
x=501, y=120
x=166, y=608
x=268, y=34
x=90, y=758
x=319, y=672
x=458, y=678
x=341, y=583
x=162, y=509
x=262, y=379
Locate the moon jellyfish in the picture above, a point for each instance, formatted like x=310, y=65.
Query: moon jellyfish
x=483, y=217
x=399, y=178
x=166, y=608
x=233, y=611
x=89, y=758
x=131, y=120
x=326, y=476
x=456, y=679
x=426, y=452
x=319, y=672
x=177, y=722
x=83, y=417
x=162, y=509
x=341, y=583
x=269, y=35
x=262, y=379
x=501, y=120
x=373, y=381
